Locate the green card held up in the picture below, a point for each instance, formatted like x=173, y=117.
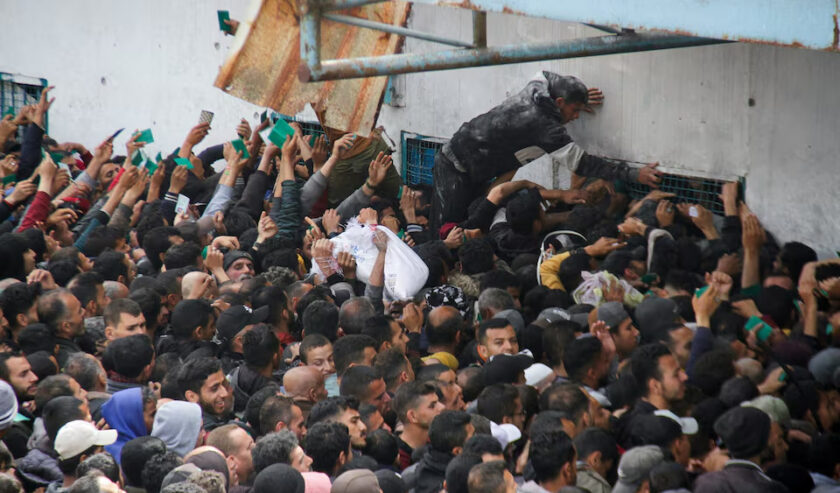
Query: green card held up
x=224, y=15
x=239, y=146
x=279, y=133
x=145, y=136
x=182, y=161
x=9, y=111
x=151, y=166
x=137, y=158
x=158, y=158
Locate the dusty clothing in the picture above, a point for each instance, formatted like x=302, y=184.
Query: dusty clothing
x=486, y=146
x=590, y=480
x=737, y=476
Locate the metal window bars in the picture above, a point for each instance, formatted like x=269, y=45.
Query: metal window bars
x=418, y=157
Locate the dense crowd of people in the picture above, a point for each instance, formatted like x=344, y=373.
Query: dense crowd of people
x=258, y=320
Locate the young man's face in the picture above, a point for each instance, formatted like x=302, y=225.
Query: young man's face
x=673, y=378
x=322, y=359
x=500, y=341
x=243, y=443
x=681, y=344
x=128, y=325
x=570, y=111
x=299, y=460
x=378, y=396
x=22, y=378
x=358, y=431
x=626, y=337
x=428, y=406
x=399, y=339
x=214, y=394
x=453, y=395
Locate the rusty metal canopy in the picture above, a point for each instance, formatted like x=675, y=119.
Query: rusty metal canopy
x=262, y=67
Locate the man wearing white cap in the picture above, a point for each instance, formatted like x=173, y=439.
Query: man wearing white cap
x=76, y=441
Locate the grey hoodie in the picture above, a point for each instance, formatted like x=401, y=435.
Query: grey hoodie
x=178, y=424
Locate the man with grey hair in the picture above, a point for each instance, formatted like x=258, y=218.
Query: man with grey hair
x=494, y=300
x=354, y=314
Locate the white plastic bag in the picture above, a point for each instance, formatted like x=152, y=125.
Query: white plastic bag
x=591, y=289
x=405, y=271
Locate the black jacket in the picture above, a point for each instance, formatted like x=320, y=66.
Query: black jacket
x=486, y=145
x=429, y=473
x=737, y=477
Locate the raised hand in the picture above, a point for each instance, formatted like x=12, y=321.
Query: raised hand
x=596, y=98
x=42, y=106
x=753, y=235
x=650, y=176
x=341, y=145
x=722, y=281
x=23, y=189
x=266, y=228
x=243, y=130
x=455, y=238
x=347, y=262
x=378, y=169
x=603, y=246
x=330, y=221
x=665, y=213
x=380, y=240
x=178, y=179
x=319, y=152
x=131, y=146
x=196, y=135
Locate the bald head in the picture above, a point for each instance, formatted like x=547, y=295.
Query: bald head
x=201, y=450
x=305, y=383
x=115, y=290
x=194, y=282
x=442, y=328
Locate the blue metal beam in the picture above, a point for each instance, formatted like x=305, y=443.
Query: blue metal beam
x=388, y=28
x=801, y=23
x=497, y=55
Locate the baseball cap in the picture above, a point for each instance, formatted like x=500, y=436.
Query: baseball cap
x=552, y=315
x=537, y=373
x=236, y=318
x=634, y=467
x=689, y=425
x=77, y=436
x=505, y=368
x=505, y=433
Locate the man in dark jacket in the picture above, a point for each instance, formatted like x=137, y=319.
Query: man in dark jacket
x=746, y=432
x=486, y=147
x=447, y=435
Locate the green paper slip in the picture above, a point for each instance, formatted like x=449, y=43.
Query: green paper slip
x=9, y=179
x=239, y=146
x=151, y=166
x=145, y=136
x=137, y=158
x=223, y=15
x=158, y=158
x=279, y=133
x=9, y=111
x=182, y=161
x=57, y=157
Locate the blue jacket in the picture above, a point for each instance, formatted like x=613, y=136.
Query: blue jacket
x=124, y=413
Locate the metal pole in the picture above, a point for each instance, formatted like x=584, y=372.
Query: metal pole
x=310, y=36
x=388, y=28
x=497, y=55
x=479, y=29
x=325, y=5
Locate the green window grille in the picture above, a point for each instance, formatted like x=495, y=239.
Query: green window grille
x=17, y=91
x=692, y=189
x=418, y=157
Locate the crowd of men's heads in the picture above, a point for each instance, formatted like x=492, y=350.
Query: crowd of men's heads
x=226, y=347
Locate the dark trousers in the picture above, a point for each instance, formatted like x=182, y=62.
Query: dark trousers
x=453, y=193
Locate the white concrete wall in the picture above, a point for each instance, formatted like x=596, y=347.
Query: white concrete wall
x=686, y=108
x=143, y=64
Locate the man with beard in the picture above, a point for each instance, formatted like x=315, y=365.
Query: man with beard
x=446, y=381
x=416, y=405
x=344, y=410
x=64, y=315
x=238, y=265
x=202, y=381
x=661, y=383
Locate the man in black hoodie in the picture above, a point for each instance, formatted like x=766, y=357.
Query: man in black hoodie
x=447, y=435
